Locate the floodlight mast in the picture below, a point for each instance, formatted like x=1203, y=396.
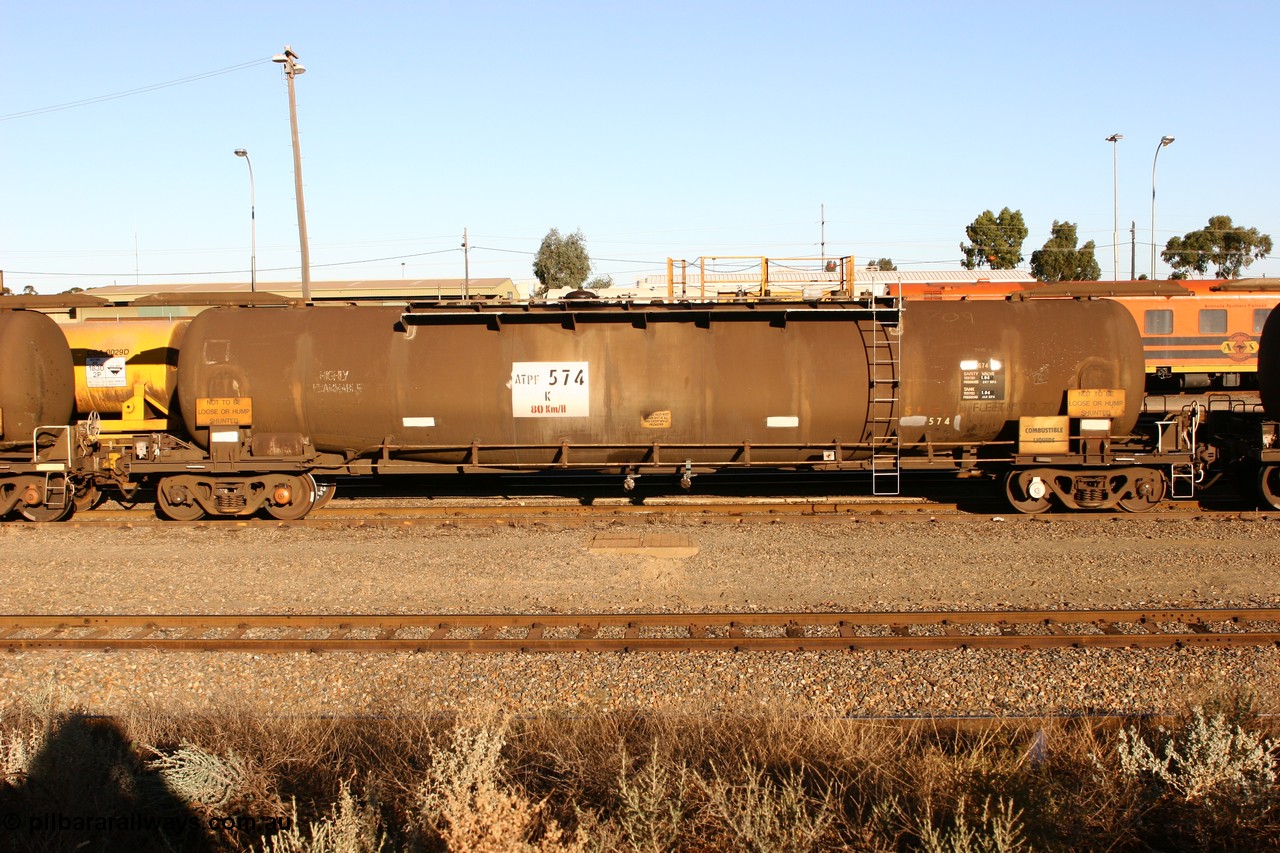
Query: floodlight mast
x=1165, y=141
x=253, y=224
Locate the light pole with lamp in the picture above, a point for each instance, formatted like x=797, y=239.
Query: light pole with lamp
x=253, y=225
x=292, y=68
x=1165, y=141
x=1115, y=201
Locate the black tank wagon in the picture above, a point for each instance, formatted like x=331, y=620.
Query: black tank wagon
x=1268, y=451
x=36, y=403
x=670, y=390
x=272, y=401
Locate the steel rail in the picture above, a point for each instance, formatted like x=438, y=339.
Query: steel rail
x=633, y=632
x=733, y=511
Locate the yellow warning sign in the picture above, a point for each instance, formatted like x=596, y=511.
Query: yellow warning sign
x=224, y=411
x=656, y=420
x=1096, y=403
x=1044, y=435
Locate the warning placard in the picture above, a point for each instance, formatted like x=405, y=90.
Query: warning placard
x=1044, y=435
x=224, y=411
x=1096, y=403
x=103, y=372
x=656, y=420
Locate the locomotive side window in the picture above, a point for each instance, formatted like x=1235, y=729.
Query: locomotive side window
x=1158, y=322
x=1260, y=316
x=1213, y=321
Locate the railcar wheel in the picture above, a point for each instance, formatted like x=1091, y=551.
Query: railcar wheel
x=32, y=504
x=324, y=491
x=87, y=498
x=1269, y=485
x=1149, y=489
x=1026, y=492
x=43, y=513
x=291, y=498
x=175, y=502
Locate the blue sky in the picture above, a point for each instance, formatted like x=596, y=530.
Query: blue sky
x=658, y=129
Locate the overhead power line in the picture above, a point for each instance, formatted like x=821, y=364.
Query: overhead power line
x=189, y=273
x=139, y=91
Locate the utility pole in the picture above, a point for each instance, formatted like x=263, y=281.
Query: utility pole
x=822, y=246
x=1133, y=249
x=292, y=68
x=466, y=266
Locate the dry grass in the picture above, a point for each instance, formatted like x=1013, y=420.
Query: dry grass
x=770, y=782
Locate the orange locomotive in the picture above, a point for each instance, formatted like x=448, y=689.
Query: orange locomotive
x=1195, y=334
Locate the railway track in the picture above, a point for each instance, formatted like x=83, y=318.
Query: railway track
x=436, y=512
x=529, y=633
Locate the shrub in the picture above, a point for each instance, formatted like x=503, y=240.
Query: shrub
x=998, y=831
x=768, y=817
x=651, y=804
x=19, y=745
x=348, y=828
x=1208, y=760
x=467, y=800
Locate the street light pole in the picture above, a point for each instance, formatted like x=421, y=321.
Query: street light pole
x=253, y=225
x=1164, y=143
x=292, y=68
x=1115, y=201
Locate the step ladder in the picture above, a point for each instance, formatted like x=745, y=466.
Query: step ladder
x=56, y=490
x=53, y=456
x=1182, y=480
x=885, y=367
x=1179, y=434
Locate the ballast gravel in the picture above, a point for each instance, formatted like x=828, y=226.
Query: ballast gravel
x=910, y=564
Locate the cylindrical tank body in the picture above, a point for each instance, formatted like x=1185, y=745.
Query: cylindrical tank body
x=616, y=383
x=1269, y=364
x=38, y=388
x=114, y=357
x=971, y=369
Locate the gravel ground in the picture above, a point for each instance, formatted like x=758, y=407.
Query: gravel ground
x=859, y=565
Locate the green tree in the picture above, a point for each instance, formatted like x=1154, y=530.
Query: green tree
x=600, y=282
x=1060, y=260
x=997, y=240
x=561, y=261
x=1227, y=246
x=883, y=265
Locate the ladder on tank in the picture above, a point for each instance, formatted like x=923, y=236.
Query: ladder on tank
x=885, y=366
